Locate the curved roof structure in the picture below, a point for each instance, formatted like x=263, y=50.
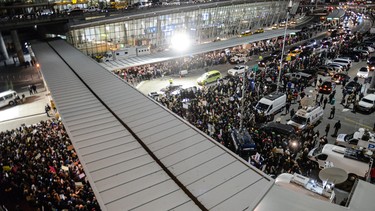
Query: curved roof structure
x=336, y=14
x=194, y=50
x=137, y=155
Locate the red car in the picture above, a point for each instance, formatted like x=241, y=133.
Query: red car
x=326, y=87
x=338, y=78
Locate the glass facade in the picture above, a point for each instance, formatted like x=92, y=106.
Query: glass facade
x=156, y=32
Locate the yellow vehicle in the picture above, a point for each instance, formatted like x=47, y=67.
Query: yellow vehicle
x=119, y=5
x=246, y=33
x=258, y=31
x=275, y=26
x=295, y=52
x=209, y=77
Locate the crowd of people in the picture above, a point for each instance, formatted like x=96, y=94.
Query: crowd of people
x=134, y=75
x=216, y=110
x=39, y=168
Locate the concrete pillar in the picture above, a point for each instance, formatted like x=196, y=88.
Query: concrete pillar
x=18, y=46
x=3, y=48
x=372, y=83
x=159, y=33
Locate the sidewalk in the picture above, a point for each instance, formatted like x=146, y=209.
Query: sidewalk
x=29, y=112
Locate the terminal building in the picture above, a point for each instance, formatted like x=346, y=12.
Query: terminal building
x=200, y=22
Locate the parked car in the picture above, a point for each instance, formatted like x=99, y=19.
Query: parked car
x=172, y=89
x=360, y=138
x=92, y=9
x=46, y=12
x=108, y=9
x=351, y=56
x=239, y=69
x=364, y=53
x=326, y=87
x=238, y=58
x=9, y=97
x=258, y=31
x=294, y=77
x=336, y=67
x=367, y=103
x=363, y=72
x=366, y=48
x=278, y=128
x=328, y=69
x=294, y=52
x=351, y=86
x=338, y=78
x=77, y=12
x=209, y=77
x=371, y=63
x=242, y=141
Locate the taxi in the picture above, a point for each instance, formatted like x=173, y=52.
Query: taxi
x=295, y=52
x=258, y=31
x=246, y=33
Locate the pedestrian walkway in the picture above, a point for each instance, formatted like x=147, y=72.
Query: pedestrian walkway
x=29, y=112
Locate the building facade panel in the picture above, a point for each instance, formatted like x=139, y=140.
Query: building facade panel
x=156, y=32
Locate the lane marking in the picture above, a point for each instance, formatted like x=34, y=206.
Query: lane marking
x=363, y=125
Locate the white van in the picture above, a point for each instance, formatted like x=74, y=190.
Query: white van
x=353, y=161
x=8, y=98
x=126, y=53
x=305, y=117
x=271, y=103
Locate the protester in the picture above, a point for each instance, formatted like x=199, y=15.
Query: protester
x=39, y=166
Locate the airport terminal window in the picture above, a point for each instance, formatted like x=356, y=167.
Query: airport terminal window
x=322, y=157
x=353, y=141
x=203, y=24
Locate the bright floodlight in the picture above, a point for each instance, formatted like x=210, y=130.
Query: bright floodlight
x=180, y=41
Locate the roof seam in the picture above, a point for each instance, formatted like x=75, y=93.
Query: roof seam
x=170, y=174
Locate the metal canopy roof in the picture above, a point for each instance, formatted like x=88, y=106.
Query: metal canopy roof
x=158, y=11
x=137, y=155
x=197, y=49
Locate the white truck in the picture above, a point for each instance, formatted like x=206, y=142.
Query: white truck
x=306, y=186
x=354, y=161
x=124, y=53
x=271, y=104
x=360, y=138
x=305, y=117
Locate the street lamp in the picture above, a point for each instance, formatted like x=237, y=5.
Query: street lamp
x=283, y=48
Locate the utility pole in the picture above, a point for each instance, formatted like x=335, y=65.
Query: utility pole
x=283, y=48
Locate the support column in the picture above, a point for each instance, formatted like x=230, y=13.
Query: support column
x=3, y=48
x=18, y=47
x=372, y=83
x=159, y=33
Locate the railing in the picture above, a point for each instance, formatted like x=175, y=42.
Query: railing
x=7, y=23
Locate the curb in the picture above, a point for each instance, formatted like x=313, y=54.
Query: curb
x=140, y=84
x=8, y=120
